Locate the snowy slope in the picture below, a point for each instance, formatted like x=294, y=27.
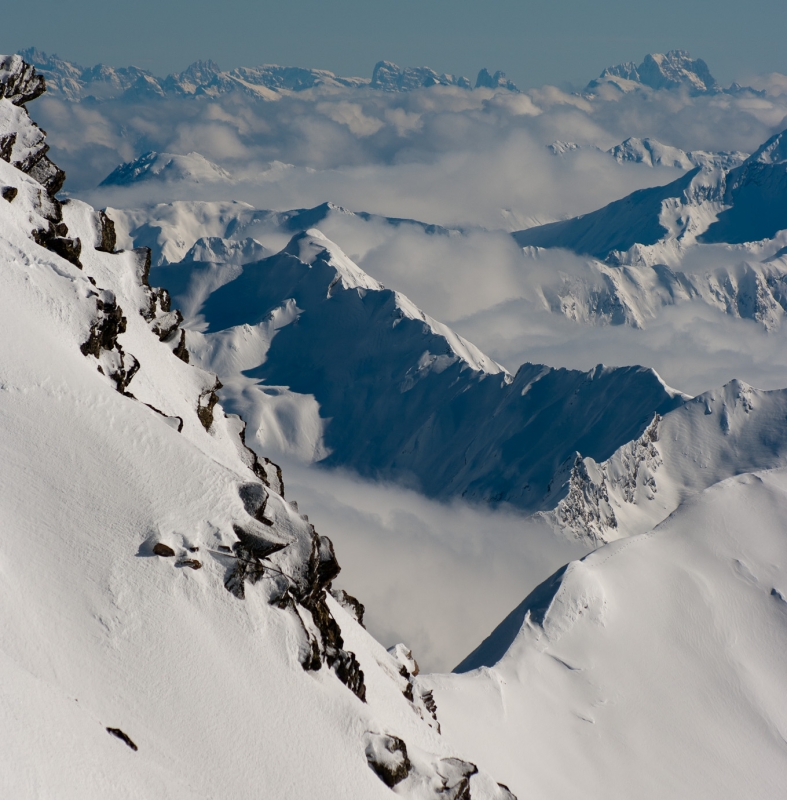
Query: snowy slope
x=652, y=668
x=168, y=628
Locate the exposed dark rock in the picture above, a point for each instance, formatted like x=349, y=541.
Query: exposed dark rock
x=47, y=173
x=164, y=550
x=7, y=142
x=323, y=566
x=496, y=81
x=107, y=236
x=192, y=563
x=387, y=756
x=104, y=332
x=19, y=82
x=164, y=300
x=343, y=662
x=427, y=698
x=123, y=737
x=206, y=404
x=69, y=249
x=268, y=472
x=224, y=548
x=408, y=690
x=181, y=351
x=505, y=793
x=255, y=546
x=106, y=329
x=352, y=605
x=322, y=569
x=10, y=193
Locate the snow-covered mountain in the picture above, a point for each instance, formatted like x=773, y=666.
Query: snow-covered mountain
x=205, y=78
x=170, y=230
x=714, y=236
x=652, y=153
x=192, y=168
x=389, y=77
x=325, y=362
x=713, y=203
x=675, y=70
x=487, y=80
x=168, y=622
x=655, y=154
x=651, y=668
x=714, y=436
x=75, y=82
x=170, y=627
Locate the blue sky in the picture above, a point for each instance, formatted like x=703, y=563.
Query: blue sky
x=534, y=42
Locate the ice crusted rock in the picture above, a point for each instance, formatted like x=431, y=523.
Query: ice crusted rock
x=387, y=757
x=19, y=82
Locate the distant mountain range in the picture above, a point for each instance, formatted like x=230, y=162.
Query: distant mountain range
x=205, y=78
x=674, y=71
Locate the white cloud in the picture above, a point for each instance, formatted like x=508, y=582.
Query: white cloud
x=437, y=576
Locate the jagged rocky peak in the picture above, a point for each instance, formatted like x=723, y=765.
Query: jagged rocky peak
x=390, y=77
x=673, y=70
x=198, y=73
x=496, y=81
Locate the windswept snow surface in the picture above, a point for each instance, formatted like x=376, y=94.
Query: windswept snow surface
x=652, y=668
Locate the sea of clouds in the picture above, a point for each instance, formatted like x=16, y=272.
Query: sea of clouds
x=477, y=162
